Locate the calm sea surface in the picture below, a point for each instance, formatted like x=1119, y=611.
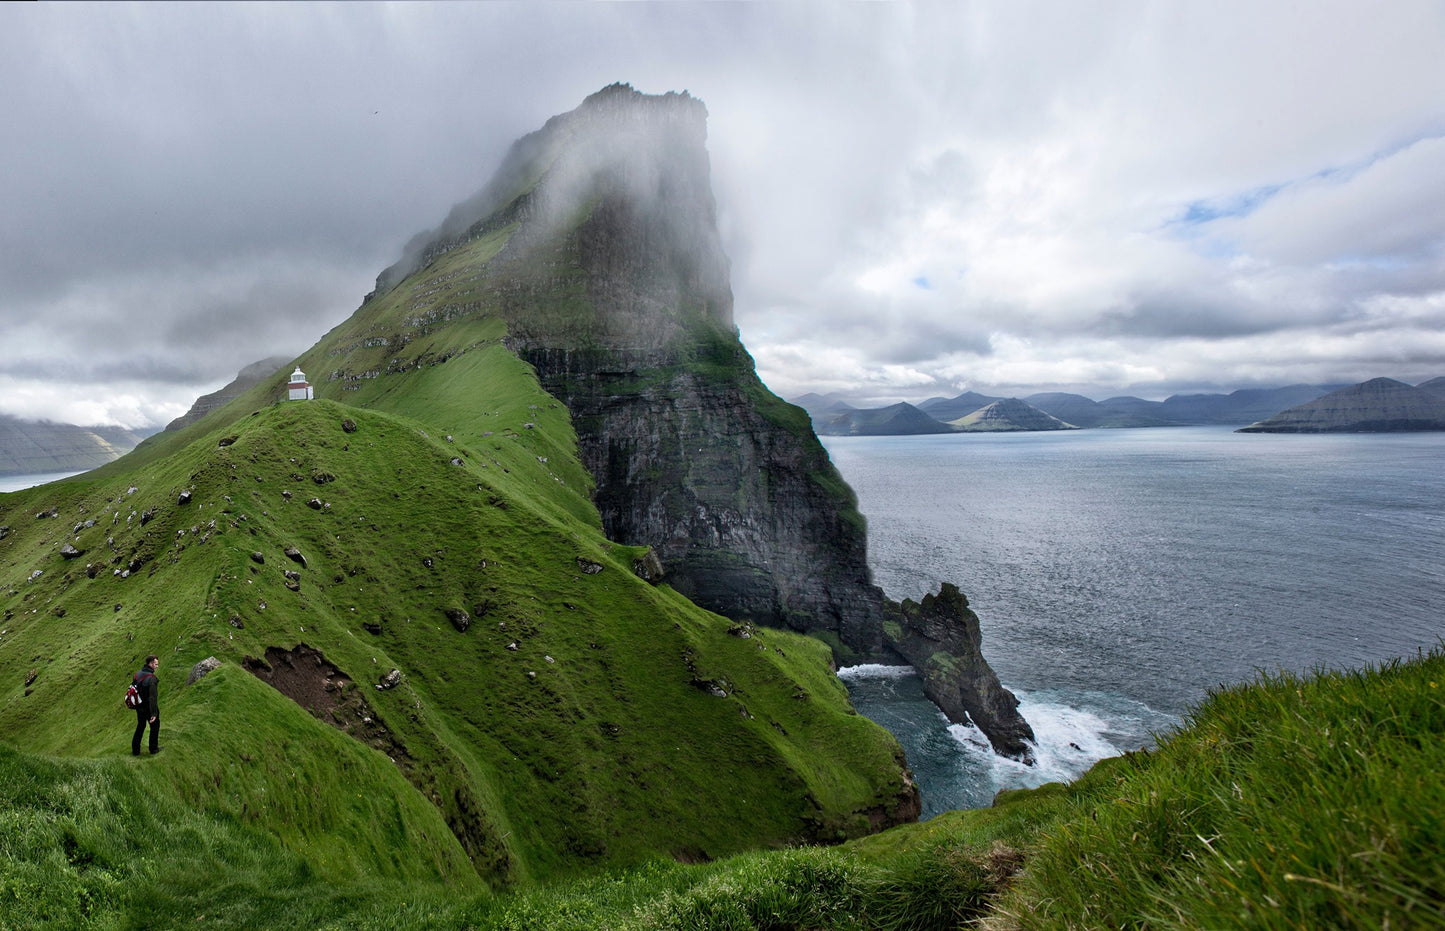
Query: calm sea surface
x=1120, y=574
x=18, y=482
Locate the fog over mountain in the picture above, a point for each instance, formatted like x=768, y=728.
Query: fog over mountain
x=918, y=199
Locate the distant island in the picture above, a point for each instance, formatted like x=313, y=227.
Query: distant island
x=1375, y=406
x=1380, y=405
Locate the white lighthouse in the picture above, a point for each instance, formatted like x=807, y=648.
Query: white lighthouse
x=299, y=387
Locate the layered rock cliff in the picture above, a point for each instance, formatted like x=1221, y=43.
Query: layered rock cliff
x=38, y=447
x=245, y=379
x=616, y=290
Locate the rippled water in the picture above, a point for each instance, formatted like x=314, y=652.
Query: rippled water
x=1120, y=574
x=29, y=480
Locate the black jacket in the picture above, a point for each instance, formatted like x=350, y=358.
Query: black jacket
x=149, y=687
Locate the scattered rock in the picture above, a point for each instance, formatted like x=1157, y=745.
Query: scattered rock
x=184, y=497
x=202, y=669
x=348, y=425
x=146, y=517
x=588, y=567
x=285, y=493
x=389, y=681
x=69, y=552
x=321, y=477
x=4, y=532
x=236, y=622
x=460, y=619
x=30, y=679
x=372, y=627
x=293, y=554
x=648, y=567
x=259, y=558
x=512, y=646
x=715, y=688
x=226, y=441
x=741, y=631
x=314, y=504
x=53, y=512
x=457, y=460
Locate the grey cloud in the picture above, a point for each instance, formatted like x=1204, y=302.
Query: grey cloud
x=190, y=182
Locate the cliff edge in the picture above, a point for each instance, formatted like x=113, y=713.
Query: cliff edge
x=614, y=286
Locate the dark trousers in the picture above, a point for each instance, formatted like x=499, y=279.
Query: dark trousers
x=140, y=727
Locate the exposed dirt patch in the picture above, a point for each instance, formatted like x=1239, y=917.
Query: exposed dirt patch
x=309, y=679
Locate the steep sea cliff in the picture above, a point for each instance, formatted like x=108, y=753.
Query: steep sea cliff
x=614, y=287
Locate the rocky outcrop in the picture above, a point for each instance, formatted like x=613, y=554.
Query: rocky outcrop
x=202, y=669
x=614, y=286
x=940, y=637
x=1380, y=405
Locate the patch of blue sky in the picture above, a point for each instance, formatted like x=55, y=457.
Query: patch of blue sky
x=922, y=282
x=1241, y=204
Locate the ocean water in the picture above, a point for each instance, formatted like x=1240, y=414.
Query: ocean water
x=22, y=481
x=1119, y=575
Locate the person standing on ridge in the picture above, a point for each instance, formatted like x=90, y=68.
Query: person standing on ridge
x=149, y=710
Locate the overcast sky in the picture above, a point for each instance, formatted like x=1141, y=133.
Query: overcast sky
x=918, y=199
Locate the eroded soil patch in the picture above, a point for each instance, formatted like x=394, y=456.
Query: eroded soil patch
x=309, y=679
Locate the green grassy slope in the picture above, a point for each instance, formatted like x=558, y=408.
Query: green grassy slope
x=582, y=718
x=1291, y=803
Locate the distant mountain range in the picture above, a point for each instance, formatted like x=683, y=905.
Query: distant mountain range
x=37, y=447
x=1378, y=405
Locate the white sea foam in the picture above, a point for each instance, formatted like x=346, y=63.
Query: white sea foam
x=1068, y=738
x=876, y=671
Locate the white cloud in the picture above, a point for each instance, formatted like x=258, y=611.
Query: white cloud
x=1116, y=197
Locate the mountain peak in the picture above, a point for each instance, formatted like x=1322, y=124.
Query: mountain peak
x=561, y=187
x=1380, y=405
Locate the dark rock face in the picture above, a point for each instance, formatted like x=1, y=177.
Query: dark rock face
x=940, y=637
x=747, y=518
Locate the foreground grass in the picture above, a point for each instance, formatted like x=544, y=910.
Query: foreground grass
x=1289, y=803
x=1292, y=803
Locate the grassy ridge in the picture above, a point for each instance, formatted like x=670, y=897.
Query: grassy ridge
x=1292, y=803
x=584, y=716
